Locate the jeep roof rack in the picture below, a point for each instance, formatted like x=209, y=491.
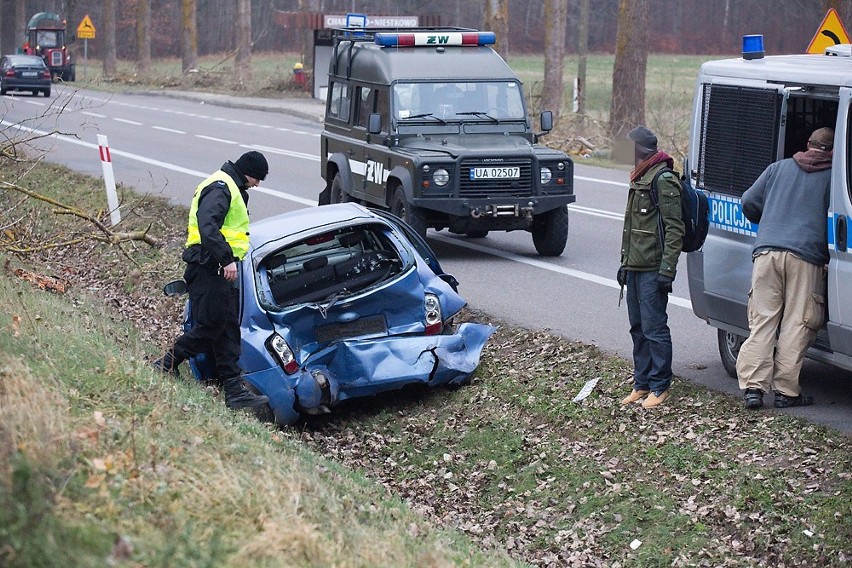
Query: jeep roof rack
x=362, y=35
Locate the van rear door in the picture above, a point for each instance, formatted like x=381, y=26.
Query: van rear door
x=840, y=211
x=740, y=134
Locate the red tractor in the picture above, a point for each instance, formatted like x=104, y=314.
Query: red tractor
x=45, y=37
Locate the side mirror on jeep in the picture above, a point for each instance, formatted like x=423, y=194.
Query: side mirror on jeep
x=374, y=123
x=546, y=120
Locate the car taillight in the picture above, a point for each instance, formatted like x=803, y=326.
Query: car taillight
x=434, y=322
x=46, y=74
x=282, y=352
x=10, y=73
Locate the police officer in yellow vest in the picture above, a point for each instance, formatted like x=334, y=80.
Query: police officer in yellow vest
x=218, y=238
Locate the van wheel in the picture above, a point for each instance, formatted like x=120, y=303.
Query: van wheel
x=729, y=349
x=408, y=213
x=550, y=231
x=337, y=193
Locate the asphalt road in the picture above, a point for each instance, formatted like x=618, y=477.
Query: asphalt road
x=165, y=146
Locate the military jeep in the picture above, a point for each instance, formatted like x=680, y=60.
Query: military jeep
x=432, y=124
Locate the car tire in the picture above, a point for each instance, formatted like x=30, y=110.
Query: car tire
x=477, y=234
x=729, y=350
x=2, y=92
x=46, y=93
x=408, y=213
x=550, y=231
x=338, y=195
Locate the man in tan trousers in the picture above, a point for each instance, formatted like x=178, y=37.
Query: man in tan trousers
x=787, y=299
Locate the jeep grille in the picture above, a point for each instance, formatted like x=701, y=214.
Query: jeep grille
x=521, y=187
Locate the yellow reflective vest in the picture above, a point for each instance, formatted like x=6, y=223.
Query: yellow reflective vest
x=235, y=228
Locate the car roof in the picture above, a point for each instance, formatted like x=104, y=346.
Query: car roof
x=383, y=65
x=16, y=58
x=295, y=222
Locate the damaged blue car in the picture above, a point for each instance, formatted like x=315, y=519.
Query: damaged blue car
x=341, y=301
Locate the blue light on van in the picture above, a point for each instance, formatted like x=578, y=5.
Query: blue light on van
x=753, y=46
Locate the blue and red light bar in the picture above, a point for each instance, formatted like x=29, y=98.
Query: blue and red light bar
x=434, y=39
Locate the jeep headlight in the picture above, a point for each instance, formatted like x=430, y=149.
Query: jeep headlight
x=546, y=175
x=441, y=177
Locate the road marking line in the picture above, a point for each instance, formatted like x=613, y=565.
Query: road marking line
x=32, y=102
x=281, y=151
x=596, y=180
x=594, y=278
x=124, y=120
x=96, y=115
x=596, y=212
x=215, y=139
x=157, y=163
x=164, y=129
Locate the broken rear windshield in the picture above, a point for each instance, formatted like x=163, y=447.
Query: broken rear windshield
x=343, y=261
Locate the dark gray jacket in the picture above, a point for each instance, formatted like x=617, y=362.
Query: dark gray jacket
x=791, y=207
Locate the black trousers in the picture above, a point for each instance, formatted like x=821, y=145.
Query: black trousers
x=214, y=305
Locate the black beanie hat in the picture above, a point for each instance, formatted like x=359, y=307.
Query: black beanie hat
x=253, y=164
x=643, y=137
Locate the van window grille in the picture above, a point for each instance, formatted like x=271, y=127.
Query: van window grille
x=739, y=136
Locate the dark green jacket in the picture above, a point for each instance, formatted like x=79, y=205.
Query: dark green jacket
x=640, y=243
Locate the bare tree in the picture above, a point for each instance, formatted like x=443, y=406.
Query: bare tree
x=627, y=108
x=20, y=23
x=497, y=21
x=143, y=35
x=582, y=55
x=188, y=35
x=555, y=21
x=110, y=57
x=242, y=61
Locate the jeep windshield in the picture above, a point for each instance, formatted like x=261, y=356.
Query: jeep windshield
x=493, y=101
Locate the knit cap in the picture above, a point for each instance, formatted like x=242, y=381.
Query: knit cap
x=253, y=164
x=822, y=139
x=643, y=137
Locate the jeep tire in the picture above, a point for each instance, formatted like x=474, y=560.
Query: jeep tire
x=408, y=213
x=338, y=195
x=550, y=231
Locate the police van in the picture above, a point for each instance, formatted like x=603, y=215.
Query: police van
x=432, y=124
x=747, y=113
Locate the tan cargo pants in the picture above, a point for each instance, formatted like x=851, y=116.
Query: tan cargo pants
x=787, y=302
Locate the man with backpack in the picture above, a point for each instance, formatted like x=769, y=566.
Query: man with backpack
x=786, y=306
x=651, y=243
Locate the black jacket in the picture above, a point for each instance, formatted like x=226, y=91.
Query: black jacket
x=213, y=206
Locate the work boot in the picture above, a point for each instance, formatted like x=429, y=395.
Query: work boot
x=784, y=401
x=753, y=399
x=238, y=396
x=634, y=396
x=655, y=399
x=167, y=364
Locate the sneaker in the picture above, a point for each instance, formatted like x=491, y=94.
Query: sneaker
x=784, y=401
x=753, y=399
x=634, y=396
x=655, y=399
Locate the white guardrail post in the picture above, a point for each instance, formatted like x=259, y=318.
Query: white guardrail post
x=109, y=180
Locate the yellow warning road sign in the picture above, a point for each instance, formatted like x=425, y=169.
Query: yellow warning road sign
x=830, y=32
x=86, y=29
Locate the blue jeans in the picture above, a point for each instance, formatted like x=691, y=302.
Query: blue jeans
x=652, y=340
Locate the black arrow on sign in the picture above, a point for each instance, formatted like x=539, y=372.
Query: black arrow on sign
x=831, y=35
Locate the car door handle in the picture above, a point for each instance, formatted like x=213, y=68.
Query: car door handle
x=841, y=232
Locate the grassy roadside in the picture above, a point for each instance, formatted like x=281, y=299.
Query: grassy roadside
x=103, y=462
